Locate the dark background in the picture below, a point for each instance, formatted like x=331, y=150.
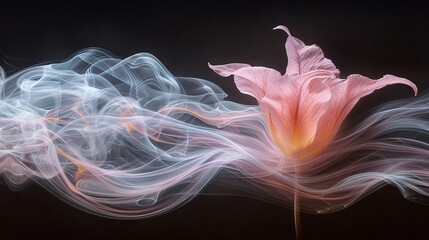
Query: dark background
x=367, y=38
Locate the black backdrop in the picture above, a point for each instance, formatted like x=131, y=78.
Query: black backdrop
x=371, y=39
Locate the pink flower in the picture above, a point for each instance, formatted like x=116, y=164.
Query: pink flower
x=305, y=107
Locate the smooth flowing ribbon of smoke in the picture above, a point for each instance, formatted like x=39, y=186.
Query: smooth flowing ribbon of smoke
x=124, y=138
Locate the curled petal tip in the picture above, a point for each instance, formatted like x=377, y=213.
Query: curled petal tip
x=227, y=69
x=222, y=70
x=281, y=27
x=406, y=82
x=414, y=87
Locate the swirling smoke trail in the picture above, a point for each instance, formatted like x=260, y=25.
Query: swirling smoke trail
x=124, y=138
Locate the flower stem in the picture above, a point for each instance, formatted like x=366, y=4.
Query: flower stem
x=296, y=206
x=297, y=217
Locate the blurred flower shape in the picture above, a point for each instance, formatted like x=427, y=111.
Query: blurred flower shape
x=305, y=107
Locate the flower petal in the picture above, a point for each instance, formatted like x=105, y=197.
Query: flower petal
x=345, y=96
x=299, y=101
x=227, y=69
x=249, y=80
x=358, y=86
x=302, y=58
